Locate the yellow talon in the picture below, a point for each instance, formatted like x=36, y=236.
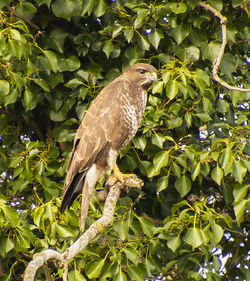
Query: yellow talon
x=118, y=176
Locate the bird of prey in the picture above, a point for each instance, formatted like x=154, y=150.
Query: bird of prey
x=107, y=127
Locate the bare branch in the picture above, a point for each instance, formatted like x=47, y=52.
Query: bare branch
x=223, y=21
x=27, y=21
x=107, y=217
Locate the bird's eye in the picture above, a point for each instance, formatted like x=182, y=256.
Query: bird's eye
x=142, y=71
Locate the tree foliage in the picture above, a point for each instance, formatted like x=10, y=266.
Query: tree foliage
x=191, y=223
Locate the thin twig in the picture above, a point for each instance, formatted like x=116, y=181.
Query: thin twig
x=30, y=23
x=223, y=21
x=234, y=231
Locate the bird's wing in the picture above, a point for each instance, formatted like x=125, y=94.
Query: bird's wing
x=101, y=126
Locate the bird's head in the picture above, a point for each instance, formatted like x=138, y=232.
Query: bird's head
x=142, y=74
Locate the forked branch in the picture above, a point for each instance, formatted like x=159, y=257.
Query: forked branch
x=107, y=217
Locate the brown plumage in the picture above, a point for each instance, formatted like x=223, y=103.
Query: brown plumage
x=109, y=124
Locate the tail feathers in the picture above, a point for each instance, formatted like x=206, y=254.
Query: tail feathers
x=72, y=191
x=87, y=193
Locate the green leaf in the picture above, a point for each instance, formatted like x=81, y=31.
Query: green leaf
x=183, y=185
x=227, y=160
x=240, y=192
x=116, y=30
x=223, y=106
x=157, y=87
x=176, y=169
x=51, y=59
x=217, y=175
x=239, y=171
x=67, y=9
x=94, y=268
x=195, y=171
x=122, y=228
x=64, y=231
x=144, y=43
x=6, y=245
x=129, y=34
x=228, y=64
x=204, y=116
x=210, y=51
x=74, y=83
x=193, y=52
x=75, y=275
x=4, y=3
x=162, y=183
x=38, y=214
x=29, y=99
x=178, y=8
x=15, y=34
x=147, y=226
x=160, y=160
x=217, y=233
x=131, y=254
x=136, y=273
x=217, y=4
x=100, y=8
x=107, y=48
x=58, y=36
x=11, y=215
x=141, y=15
x=88, y=7
x=42, y=84
x=179, y=33
x=120, y=276
x=174, y=123
x=193, y=237
x=174, y=242
x=15, y=49
x=155, y=37
x=71, y=63
x=172, y=89
x=188, y=119
x=201, y=84
x=15, y=160
x=166, y=76
x=158, y=140
x=239, y=209
x=140, y=142
x=4, y=87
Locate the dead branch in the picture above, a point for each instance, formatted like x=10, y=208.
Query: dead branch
x=17, y=15
x=223, y=22
x=107, y=217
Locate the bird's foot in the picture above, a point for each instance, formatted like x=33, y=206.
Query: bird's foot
x=119, y=176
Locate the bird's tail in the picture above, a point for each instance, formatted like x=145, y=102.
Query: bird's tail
x=72, y=191
x=91, y=178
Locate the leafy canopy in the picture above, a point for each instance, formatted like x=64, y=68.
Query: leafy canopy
x=191, y=150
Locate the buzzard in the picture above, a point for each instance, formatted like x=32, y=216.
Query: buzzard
x=109, y=124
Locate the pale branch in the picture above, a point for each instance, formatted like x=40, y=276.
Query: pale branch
x=17, y=15
x=40, y=259
x=223, y=22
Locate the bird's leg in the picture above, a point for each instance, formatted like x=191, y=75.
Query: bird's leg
x=119, y=176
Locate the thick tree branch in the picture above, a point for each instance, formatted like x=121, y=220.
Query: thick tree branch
x=107, y=217
x=27, y=21
x=223, y=22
